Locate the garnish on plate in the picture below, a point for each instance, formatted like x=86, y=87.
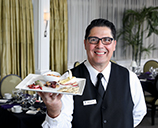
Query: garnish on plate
x=34, y=86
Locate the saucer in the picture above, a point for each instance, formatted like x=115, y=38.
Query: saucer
x=3, y=100
x=15, y=111
x=7, y=98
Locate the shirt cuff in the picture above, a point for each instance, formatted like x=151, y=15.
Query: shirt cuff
x=53, y=122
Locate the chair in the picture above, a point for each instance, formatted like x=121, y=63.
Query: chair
x=152, y=102
x=8, y=83
x=148, y=64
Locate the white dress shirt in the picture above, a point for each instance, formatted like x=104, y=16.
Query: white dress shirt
x=65, y=118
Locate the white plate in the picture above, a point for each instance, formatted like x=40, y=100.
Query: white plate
x=31, y=78
x=16, y=111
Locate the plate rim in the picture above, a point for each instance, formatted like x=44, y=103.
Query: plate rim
x=33, y=76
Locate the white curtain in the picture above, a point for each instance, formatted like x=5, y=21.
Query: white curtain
x=81, y=12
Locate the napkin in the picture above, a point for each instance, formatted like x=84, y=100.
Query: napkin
x=148, y=73
x=31, y=112
x=6, y=106
x=143, y=80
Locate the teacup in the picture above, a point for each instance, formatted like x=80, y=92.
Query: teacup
x=7, y=95
x=16, y=108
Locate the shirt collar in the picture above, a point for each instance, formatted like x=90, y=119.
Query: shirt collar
x=93, y=72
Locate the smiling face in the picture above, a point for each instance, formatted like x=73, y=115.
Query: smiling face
x=99, y=54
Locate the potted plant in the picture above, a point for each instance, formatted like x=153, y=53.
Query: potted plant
x=136, y=23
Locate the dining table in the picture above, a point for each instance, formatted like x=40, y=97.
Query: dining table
x=147, y=82
x=10, y=119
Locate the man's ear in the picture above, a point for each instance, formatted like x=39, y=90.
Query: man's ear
x=85, y=44
x=115, y=45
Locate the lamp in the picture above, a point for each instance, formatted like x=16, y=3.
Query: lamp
x=46, y=18
x=133, y=65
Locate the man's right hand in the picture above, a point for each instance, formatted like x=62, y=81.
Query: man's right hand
x=52, y=102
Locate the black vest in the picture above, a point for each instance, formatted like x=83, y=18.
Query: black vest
x=114, y=111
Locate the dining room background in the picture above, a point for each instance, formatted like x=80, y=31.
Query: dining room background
x=16, y=38
x=52, y=54
x=81, y=12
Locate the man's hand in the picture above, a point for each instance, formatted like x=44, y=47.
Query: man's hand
x=52, y=102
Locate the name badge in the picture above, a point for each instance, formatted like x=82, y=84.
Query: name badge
x=89, y=102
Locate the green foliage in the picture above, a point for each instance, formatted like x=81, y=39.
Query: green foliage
x=137, y=23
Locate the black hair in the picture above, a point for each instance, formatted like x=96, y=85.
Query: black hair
x=101, y=23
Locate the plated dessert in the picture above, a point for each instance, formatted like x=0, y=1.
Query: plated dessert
x=66, y=84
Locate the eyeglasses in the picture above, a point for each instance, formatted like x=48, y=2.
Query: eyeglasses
x=95, y=40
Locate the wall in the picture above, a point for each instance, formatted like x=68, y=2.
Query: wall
x=77, y=52
x=41, y=42
x=80, y=14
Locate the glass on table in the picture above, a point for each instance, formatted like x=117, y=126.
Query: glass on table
x=151, y=69
x=153, y=72
x=138, y=71
x=33, y=99
x=15, y=94
x=18, y=95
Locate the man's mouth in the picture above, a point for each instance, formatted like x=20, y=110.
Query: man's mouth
x=100, y=53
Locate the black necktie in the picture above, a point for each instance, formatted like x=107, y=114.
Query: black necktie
x=99, y=85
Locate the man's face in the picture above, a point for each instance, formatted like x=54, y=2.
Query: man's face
x=100, y=54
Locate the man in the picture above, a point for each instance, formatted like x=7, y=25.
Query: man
x=121, y=103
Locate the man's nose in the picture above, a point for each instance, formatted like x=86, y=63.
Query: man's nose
x=100, y=43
